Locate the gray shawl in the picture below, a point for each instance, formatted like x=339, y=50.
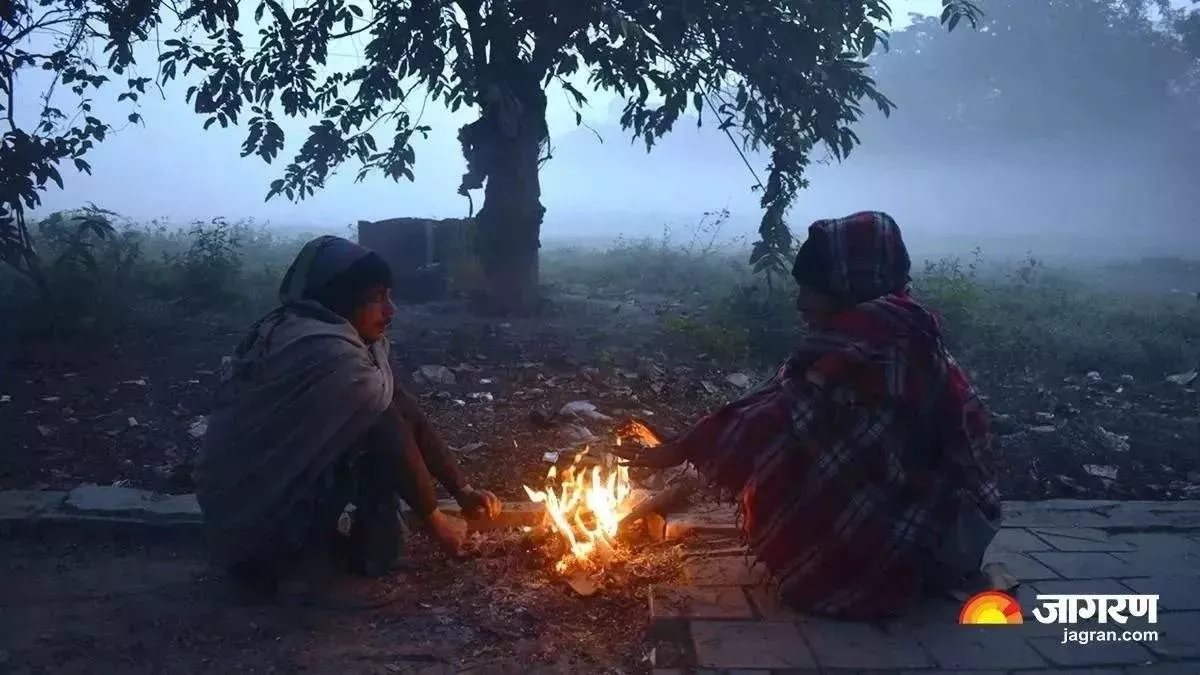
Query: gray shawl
x=302, y=388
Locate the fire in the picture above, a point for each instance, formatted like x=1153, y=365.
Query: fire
x=585, y=506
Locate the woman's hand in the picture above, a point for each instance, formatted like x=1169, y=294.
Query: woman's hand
x=662, y=456
x=479, y=504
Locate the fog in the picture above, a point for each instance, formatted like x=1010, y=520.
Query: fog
x=1031, y=172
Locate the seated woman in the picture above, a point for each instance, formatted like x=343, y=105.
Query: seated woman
x=864, y=467
x=308, y=419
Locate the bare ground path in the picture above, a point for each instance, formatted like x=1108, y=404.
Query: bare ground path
x=125, y=411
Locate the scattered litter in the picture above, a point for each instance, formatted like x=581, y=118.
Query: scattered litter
x=132, y=422
x=1044, y=429
x=472, y=447
x=1105, y=471
x=583, y=409
x=486, y=380
x=140, y=382
x=458, y=402
x=739, y=380
x=480, y=396
x=577, y=433
x=198, y=427
x=1183, y=379
x=550, y=457
x=1044, y=416
x=5, y=398
x=709, y=387
x=1116, y=442
x=50, y=399
x=440, y=375
x=45, y=431
x=1093, y=376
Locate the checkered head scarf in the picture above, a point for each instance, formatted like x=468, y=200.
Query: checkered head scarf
x=854, y=259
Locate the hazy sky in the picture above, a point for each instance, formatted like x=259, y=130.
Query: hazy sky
x=168, y=167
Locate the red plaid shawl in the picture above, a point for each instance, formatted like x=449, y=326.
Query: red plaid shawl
x=854, y=459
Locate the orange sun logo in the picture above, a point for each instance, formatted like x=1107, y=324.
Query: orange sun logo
x=990, y=608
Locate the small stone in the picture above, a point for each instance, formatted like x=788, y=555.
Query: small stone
x=435, y=375
x=1044, y=416
x=1043, y=429
x=1093, y=376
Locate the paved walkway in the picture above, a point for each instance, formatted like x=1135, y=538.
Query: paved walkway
x=721, y=621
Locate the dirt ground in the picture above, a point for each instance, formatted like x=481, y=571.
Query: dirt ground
x=127, y=411
x=116, y=605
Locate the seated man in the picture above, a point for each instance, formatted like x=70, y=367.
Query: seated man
x=309, y=419
x=864, y=467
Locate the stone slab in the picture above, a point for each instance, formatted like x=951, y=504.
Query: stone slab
x=1178, y=636
x=113, y=500
x=955, y=647
x=750, y=644
x=724, y=570
x=1178, y=593
x=862, y=646
x=1021, y=565
x=672, y=603
x=1075, y=539
x=1019, y=540
x=1092, y=655
x=1085, y=565
x=16, y=504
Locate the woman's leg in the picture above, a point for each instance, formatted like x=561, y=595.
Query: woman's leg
x=962, y=548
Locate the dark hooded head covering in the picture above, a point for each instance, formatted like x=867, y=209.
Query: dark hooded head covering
x=854, y=259
x=335, y=272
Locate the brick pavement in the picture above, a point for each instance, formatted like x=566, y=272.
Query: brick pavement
x=722, y=621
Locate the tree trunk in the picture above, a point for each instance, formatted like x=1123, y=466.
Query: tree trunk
x=509, y=228
x=508, y=225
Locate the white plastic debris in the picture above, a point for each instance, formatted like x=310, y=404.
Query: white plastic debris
x=199, y=427
x=1183, y=379
x=1105, y=471
x=1116, y=442
x=584, y=410
x=438, y=375
x=739, y=380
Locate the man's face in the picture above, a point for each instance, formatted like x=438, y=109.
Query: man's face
x=372, y=318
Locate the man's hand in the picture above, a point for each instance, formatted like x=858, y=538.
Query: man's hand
x=479, y=504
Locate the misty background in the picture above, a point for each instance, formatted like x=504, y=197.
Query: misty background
x=1035, y=133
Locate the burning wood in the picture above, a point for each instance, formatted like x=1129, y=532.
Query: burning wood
x=585, y=507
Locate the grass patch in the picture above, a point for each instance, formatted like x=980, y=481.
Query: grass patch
x=144, y=274
x=1019, y=316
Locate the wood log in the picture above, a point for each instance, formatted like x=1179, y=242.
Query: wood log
x=661, y=502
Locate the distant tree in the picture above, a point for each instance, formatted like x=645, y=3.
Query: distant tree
x=58, y=37
x=780, y=75
x=1037, y=72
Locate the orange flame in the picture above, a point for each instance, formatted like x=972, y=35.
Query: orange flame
x=585, y=507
